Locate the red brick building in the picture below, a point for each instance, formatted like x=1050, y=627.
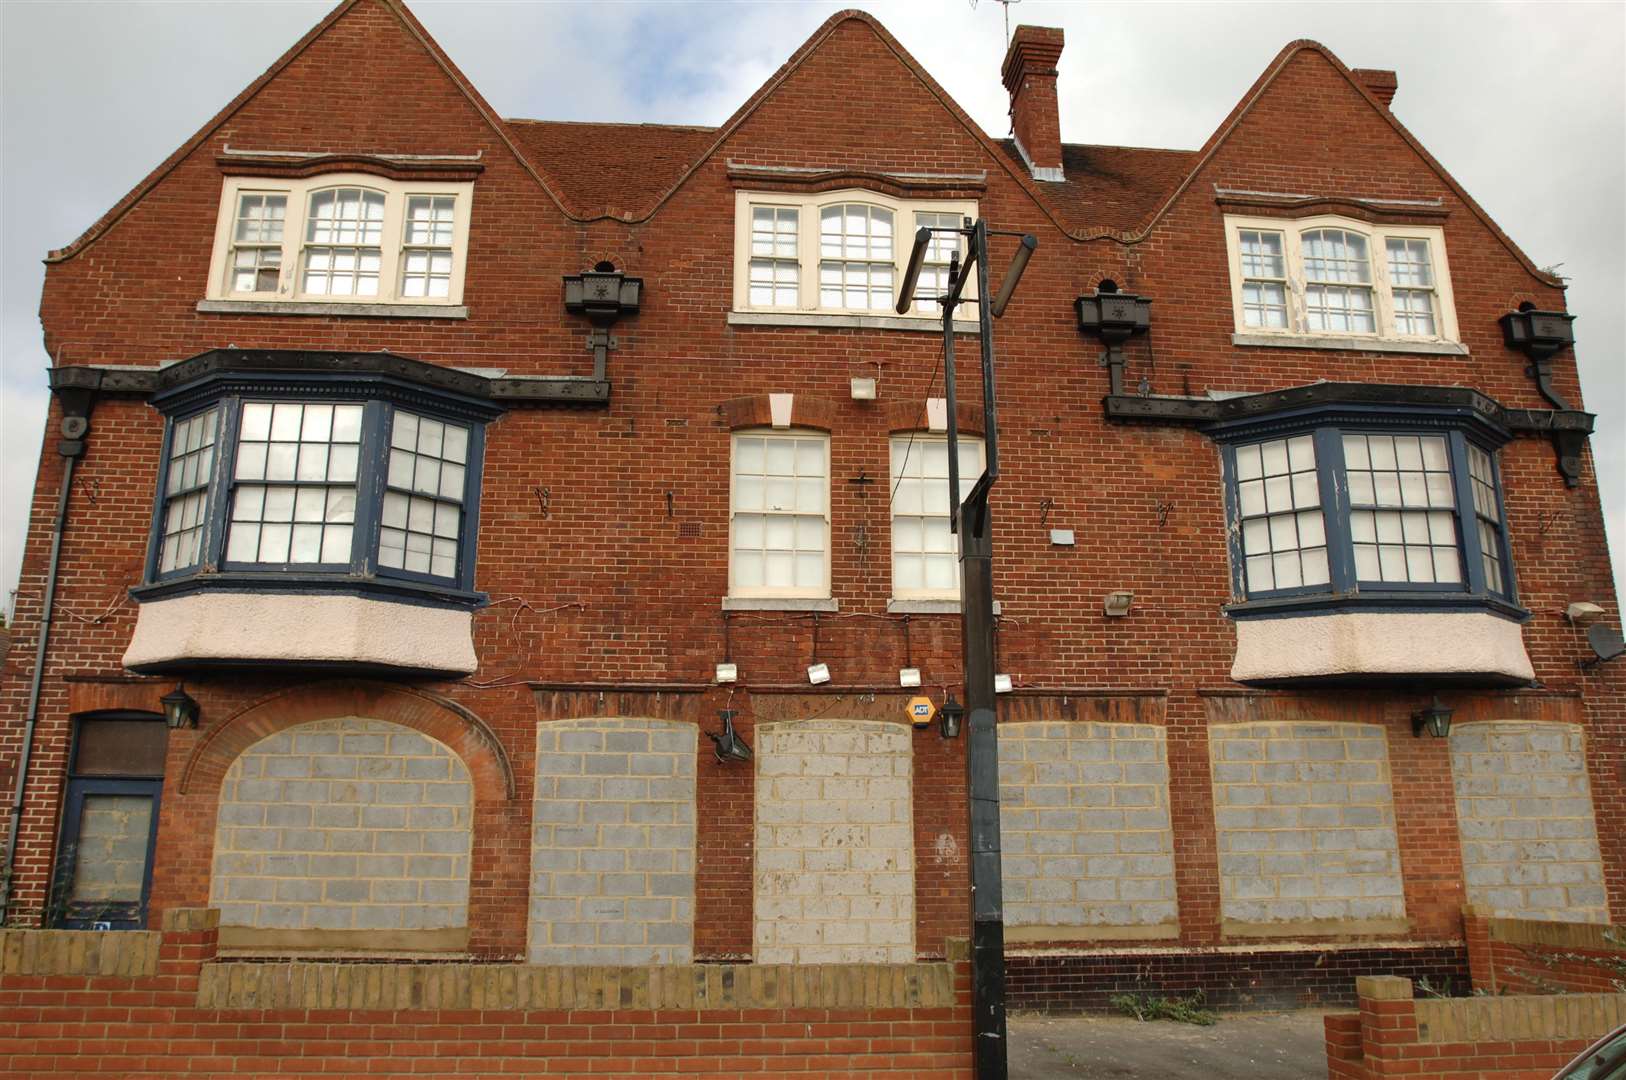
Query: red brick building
x=450, y=462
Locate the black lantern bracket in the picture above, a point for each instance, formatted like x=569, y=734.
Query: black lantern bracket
x=604, y=294
x=1114, y=317
x=1541, y=335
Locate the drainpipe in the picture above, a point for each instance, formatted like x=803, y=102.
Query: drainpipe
x=75, y=393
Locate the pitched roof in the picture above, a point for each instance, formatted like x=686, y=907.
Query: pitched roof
x=1111, y=188
x=612, y=169
x=627, y=171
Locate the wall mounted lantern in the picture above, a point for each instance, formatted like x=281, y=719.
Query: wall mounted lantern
x=180, y=709
x=1114, y=317
x=1436, y=720
x=953, y=714
x=603, y=294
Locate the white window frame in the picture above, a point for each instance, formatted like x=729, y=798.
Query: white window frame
x=392, y=243
x=767, y=591
x=808, y=207
x=920, y=440
x=1377, y=238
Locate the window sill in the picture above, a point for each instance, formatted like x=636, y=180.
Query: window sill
x=1358, y=344
x=1327, y=604
x=318, y=307
x=780, y=603
x=823, y=321
x=927, y=607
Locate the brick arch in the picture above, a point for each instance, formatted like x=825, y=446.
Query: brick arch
x=910, y=415
x=806, y=411
x=441, y=719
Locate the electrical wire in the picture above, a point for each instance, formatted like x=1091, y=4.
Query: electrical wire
x=903, y=467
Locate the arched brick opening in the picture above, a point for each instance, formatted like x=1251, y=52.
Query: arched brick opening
x=183, y=864
x=459, y=729
x=345, y=831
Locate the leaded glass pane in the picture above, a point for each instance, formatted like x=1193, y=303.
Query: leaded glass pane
x=186, y=490
x=925, y=557
x=299, y=503
x=780, y=526
x=422, y=512
x=855, y=246
x=1284, y=534
x=426, y=256
x=1402, y=508
x=934, y=268
x=256, y=257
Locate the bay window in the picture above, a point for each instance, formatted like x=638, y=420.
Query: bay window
x=320, y=480
x=1366, y=508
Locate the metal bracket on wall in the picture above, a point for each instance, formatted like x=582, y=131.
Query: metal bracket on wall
x=600, y=343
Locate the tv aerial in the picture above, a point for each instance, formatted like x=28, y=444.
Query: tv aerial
x=1007, y=6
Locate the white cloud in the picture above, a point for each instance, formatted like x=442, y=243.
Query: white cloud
x=1524, y=103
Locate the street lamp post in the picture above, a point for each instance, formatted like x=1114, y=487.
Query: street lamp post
x=970, y=519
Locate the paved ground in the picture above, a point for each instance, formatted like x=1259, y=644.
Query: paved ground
x=1242, y=1046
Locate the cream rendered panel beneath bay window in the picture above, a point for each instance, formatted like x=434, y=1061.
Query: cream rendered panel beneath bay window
x=808, y=247
x=1377, y=236
x=298, y=193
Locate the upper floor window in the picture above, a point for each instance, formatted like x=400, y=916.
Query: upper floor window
x=1333, y=278
x=925, y=554
x=780, y=515
x=296, y=482
x=840, y=252
x=347, y=238
x=1348, y=509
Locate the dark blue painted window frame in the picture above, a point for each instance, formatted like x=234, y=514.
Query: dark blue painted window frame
x=1328, y=425
x=126, y=915
x=380, y=397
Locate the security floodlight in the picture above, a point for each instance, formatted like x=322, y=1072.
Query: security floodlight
x=727, y=744
x=909, y=676
x=727, y=673
x=1003, y=684
x=818, y=673
x=1013, y=276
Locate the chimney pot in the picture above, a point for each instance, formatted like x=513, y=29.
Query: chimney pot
x=1029, y=73
x=1380, y=83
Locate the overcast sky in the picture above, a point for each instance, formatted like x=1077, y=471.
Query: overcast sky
x=1524, y=103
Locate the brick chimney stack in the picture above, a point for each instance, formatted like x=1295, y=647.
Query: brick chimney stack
x=1379, y=83
x=1030, y=76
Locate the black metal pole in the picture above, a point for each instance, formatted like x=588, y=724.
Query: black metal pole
x=982, y=746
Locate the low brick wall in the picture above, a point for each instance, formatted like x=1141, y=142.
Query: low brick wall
x=125, y=953
x=1506, y=1038
x=1532, y=956
x=193, y=1015
x=1230, y=977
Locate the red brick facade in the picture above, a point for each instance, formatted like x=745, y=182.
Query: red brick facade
x=604, y=532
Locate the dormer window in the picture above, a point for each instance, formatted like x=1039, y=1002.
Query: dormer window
x=318, y=244
x=1329, y=282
